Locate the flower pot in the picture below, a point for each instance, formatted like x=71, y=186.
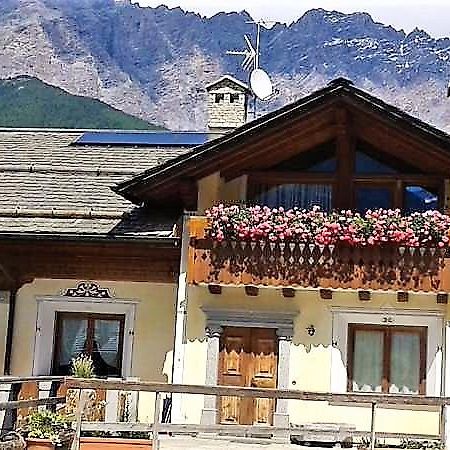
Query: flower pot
x=115, y=443
x=39, y=444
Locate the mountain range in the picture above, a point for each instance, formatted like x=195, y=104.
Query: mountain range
x=155, y=62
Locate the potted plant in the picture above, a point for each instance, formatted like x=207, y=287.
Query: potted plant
x=47, y=430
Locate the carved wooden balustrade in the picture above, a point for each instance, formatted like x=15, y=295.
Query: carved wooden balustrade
x=294, y=264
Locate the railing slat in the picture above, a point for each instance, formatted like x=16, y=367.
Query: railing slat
x=350, y=397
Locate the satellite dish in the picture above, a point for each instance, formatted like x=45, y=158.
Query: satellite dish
x=261, y=84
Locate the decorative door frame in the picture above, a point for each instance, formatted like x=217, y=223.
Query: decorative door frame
x=216, y=319
x=48, y=306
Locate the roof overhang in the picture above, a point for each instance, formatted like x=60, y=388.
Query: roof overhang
x=309, y=120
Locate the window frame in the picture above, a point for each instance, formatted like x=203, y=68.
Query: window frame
x=387, y=346
x=396, y=183
x=91, y=318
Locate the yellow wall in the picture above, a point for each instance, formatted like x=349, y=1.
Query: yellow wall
x=213, y=189
x=154, y=324
x=310, y=360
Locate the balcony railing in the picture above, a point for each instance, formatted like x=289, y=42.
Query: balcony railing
x=300, y=265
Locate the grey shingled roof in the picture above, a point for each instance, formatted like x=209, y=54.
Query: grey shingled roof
x=49, y=186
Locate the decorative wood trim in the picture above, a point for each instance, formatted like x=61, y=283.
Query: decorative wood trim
x=442, y=298
x=87, y=289
x=402, y=297
x=215, y=289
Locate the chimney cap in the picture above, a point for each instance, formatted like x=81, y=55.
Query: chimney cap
x=341, y=81
x=230, y=79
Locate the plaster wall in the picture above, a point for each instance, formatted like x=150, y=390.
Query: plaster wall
x=153, y=329
x=214, y=189
x=311, y=357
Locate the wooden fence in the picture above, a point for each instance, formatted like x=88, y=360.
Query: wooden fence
x=374, y=400
x=51, y=386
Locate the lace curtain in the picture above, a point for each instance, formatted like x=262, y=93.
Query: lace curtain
x=300, y=195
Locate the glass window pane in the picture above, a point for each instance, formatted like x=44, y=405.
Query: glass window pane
x=299, y=195
x=417, y=198
x=106, y=352
x=367, y=361
x=72, y=342
x=326, y=166
x=405, y=363
x=373, y=198
x=365, y=165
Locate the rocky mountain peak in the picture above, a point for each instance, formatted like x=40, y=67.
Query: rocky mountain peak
x=155, y=62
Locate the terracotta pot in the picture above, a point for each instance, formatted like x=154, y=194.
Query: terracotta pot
x=39, y=444
x=94, y=443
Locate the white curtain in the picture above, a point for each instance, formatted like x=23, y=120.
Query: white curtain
x=405, y=363
x=368, y=361
x=300, y=195
x=72, y=340
x=106, y=341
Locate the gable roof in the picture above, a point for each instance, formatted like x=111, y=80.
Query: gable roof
x=211, y=156
x=51, y=187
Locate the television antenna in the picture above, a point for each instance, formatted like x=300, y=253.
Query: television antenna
x=260, y=82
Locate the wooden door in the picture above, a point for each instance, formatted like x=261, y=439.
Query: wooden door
x=248, y=358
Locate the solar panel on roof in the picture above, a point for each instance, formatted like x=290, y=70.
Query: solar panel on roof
x=152, y=139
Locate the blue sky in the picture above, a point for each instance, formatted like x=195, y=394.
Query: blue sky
x=432, y=15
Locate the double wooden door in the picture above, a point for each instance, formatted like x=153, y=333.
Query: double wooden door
x=248, y=358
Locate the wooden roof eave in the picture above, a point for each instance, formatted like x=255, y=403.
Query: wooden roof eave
x=226, y=153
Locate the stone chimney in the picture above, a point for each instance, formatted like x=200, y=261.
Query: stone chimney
x=227, y=104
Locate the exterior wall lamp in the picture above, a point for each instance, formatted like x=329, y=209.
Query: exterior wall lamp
x=311, y=330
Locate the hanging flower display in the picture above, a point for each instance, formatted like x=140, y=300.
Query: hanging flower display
x=377, y=227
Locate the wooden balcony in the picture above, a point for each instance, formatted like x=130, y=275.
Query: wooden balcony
x=300, y=265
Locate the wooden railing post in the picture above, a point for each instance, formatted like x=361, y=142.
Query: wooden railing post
x=442, y=420
x=156, y=421
x=372, y=427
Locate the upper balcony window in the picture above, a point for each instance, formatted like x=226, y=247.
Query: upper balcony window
x=303, y=196
x=372, y=180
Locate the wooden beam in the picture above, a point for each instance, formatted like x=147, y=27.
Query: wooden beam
x=326, y=294
x=288, y=292
x=215, y=289
x=251, y=291
x=364, y=296
x=345, y=152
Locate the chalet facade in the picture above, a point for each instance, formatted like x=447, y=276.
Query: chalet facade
x=166, y=301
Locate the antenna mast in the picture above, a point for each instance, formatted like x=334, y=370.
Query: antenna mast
x=259, y=80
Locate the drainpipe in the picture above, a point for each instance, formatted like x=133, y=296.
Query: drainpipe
x=180, y=322
x=10, y=331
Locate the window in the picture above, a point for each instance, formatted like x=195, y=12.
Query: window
x=98, y=335
x=388, y=359
x=365, y=164
x=418, y=198
x=373, y=197
x=234, y=98
x=295, y=195
x=219, y=98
